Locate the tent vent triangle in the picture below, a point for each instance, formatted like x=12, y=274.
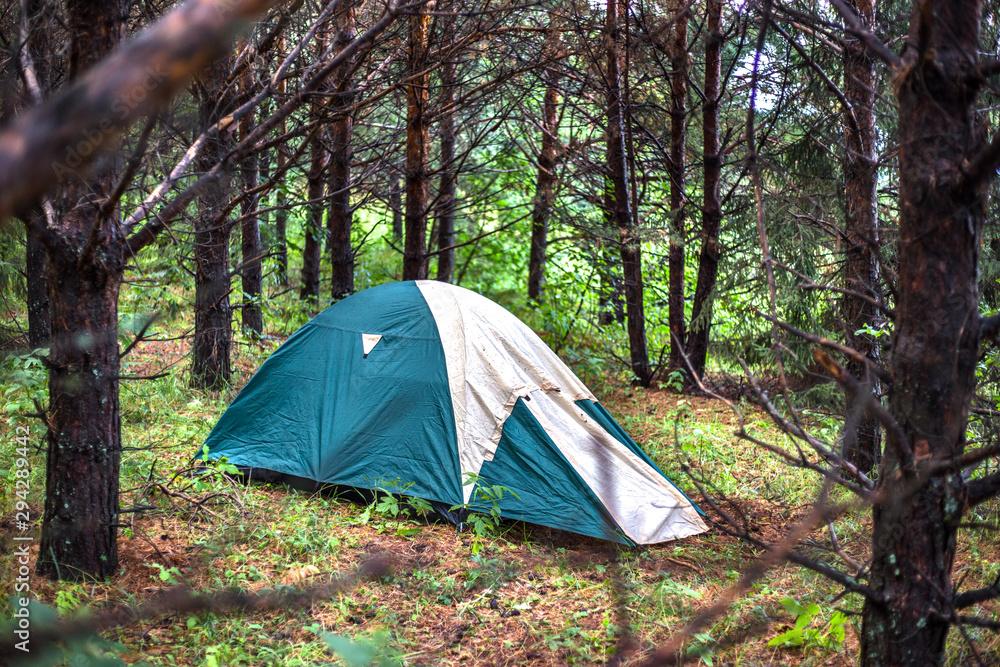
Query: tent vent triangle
x=369, y=341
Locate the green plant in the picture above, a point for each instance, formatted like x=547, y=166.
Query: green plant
x=23, y=383
x=483, y=498
x=83, y=650
x=375, y=652
x=826, y=637
x=674, y=381
x=490, y=572
x=703, y=648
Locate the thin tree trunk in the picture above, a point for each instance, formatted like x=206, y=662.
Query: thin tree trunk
x=544, y=198
x=35, y=268
x=610, y=299
x=396, y=204
x=36, y=272
x=251, y=274
x=339, y=220
x=213, y=331
x=449, y=180
x=863, y=444
x=711, y=214
x=281, y=200
x=415, y=243
x=676, y=171
x=621, y=208
x=85, y=270
x=313, y=246
x=935, y=343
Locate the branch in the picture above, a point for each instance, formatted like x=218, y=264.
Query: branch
x=894, y=434
x=982, y=489
x=37, y=150
x=981, y=169
x=181, y=600
x=969, y=598
x=860, y=30
x=146, y=234
x=139, y=336
x=849, y=352
x=989, y=327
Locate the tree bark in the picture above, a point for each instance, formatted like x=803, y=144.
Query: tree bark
x=544, y=197
x=85, y=270
x=415, y=243
x=610, y=292
x=862, y=444
x=79, y=528
x=251, y=275
x=449, y=179
x=340, y=216
x=213, y=332
x=313, y=246
x=621, y=208
x=36, y=274
x=711, y=215
x=676, y=172
x=281, y=226
x=396, y=203
x=316, y=178
x=935, y=342
x=35, y=263
x=281, y=200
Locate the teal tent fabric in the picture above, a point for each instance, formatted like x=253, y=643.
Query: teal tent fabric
x=320, y=409
x=546, y=489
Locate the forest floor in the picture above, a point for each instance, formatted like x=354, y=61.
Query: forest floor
x=521, y=595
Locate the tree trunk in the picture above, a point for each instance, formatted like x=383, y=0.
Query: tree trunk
x=396, y=204
x=711, y=215
x=449, y=180
x=213, y=332
x=79, y=529
x=340, y=216
x=935, y=342
x=35, y=269
x=281, y=201
x=621, y=209
x=281, y=227
x=544, y=198
x=415, y=243
x=313, y=247
x=675, y=170
x=610, y=297
x=85, y=271
x=863, y=442
x=36, y=273
x=251, y=275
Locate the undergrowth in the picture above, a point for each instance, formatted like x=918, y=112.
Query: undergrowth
x=502, y=593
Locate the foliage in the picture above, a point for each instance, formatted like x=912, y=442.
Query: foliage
x=827, y=636
x=483, y=498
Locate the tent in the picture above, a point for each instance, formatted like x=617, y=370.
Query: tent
x=436, y=391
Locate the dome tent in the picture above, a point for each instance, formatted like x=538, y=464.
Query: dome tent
x=437, y=389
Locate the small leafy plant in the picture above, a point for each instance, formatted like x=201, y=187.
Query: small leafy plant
x=483, y=497
x=827, y=636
